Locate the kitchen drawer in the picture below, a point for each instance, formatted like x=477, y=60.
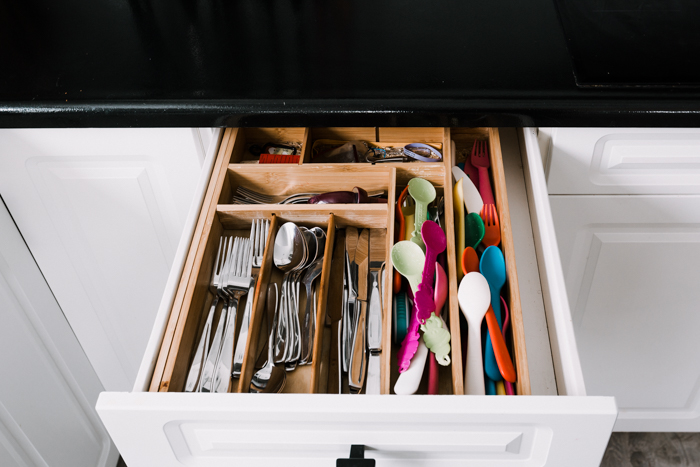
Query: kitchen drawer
x=624, y=161
x=154, y=424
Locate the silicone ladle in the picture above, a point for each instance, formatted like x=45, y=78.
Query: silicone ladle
x=474, y=298
x=474, y=230
x=423, y=193
x=493, y=267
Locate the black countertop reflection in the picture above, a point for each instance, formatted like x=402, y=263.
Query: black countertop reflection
x=79, y=63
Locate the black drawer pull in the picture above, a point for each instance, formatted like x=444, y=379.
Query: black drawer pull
x=357, y=458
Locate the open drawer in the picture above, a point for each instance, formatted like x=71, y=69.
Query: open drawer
x=157, y=424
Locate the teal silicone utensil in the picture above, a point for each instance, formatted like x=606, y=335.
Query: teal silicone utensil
x=493, y=268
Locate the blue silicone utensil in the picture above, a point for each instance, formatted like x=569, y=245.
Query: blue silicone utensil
x=493, y=268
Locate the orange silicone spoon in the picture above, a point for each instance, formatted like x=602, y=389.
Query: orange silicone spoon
x=470, y=261
x=500, y=351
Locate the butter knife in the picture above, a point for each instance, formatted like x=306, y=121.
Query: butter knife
x=377, y=256
x=351, y=237
x=358, y=356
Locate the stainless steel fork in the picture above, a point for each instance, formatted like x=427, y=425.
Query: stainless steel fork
x=258, y=235
x=216, y=288
x=238, y=284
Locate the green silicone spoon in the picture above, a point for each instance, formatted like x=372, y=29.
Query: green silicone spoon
x=423, y=193
x=408, y=259
x=475, y=230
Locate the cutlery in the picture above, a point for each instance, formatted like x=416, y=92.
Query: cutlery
x=440, y=297
x=492, y=229
x=409, y=380
x=472, y=199
x=400, y=233
x=408, y=259
x=288, y=254
x=358, y=355
x=506, y=321
x=423, y=193
x=474, y=230
x=309, y=329
x=435, y=243
x=489, y=386
x=480, y=159
x=377, y=255
x=356, y=196
x=474, y=297
x=401, y=313
x=217, y=373
x=258, y=235
x=470, y=261
x=216, y=288
x=467, y=167
x=493, y=268
x=270, y=378
x=334, y=311
x=349, y=310
x=459, y=220
x=495, y=335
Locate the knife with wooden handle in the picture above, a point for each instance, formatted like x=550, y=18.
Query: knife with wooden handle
x=358, y=356
x=377, y=256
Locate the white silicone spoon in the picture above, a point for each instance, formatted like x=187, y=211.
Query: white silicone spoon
x=474, y=299
x=409, y=380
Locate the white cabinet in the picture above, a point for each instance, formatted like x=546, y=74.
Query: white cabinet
x=102, y=211
x=48, y=389
x=200, y=429
x=631, y=264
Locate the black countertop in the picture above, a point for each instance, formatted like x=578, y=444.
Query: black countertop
x=80, y=63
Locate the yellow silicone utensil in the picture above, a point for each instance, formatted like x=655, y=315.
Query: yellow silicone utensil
x=458, y=205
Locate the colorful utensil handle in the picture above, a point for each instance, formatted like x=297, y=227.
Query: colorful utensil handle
x=485, y=186
x=489, y=386
x=490, y=363
x=504, y=362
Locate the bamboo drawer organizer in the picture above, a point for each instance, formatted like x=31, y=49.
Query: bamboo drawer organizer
x=218, y=216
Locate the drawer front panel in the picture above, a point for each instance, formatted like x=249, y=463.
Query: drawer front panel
x=313, y=430
x=624, y=161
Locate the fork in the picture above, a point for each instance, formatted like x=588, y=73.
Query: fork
x=245, y=195
x=237, y=285
x=480, y=160
x=492, y=235
x=211, y=364
x=258, y=235
x=193, y=378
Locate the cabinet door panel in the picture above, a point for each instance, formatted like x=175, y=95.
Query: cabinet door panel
x=48, y=386
x=632, y=266
x=102, y=211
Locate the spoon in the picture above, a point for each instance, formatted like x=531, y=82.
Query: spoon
x=307, y=342
x=506, y=321
x=493, y=267
x=470, y=261
x=288, y=254
x=408, y=259
x=503, y=360
x=409, y=380
x=474, y=230
x=474, y=297
x=269, y=378
x=423, y=193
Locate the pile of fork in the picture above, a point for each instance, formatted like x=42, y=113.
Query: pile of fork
x=243, y=195
x=236, y=268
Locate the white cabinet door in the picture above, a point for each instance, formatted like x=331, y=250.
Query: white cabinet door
x=632, y=265
x=102, y=211
x=48, y=387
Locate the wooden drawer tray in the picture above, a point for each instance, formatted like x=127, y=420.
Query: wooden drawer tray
x=219, y=216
